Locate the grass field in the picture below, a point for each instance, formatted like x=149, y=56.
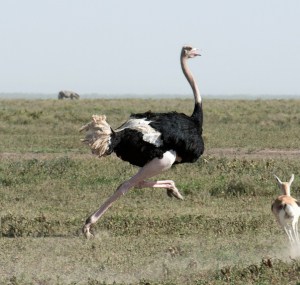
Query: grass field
x=222, y=233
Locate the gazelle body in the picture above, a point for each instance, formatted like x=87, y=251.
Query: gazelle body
x=287, y=211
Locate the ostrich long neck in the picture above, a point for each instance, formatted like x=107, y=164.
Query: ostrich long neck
x=197, y=114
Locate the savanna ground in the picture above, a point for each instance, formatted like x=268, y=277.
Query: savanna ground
x=222, y=233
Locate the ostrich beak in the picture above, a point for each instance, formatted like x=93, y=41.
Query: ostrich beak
x=195, y=52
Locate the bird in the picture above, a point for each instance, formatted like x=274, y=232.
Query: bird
x=152, y=141
x=287, y=210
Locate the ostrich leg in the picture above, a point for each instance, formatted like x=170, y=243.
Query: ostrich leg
x=152, y=168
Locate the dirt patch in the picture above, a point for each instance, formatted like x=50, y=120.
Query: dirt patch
x=41, y=156
x=254, y=154
x=238, y=153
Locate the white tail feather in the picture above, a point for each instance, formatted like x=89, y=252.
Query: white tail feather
x=98, y=135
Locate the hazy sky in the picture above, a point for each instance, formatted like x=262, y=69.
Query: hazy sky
x=133, y=46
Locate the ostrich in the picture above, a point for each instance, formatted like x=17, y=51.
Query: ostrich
x=67, y=95
x=287, y=211
x=152, y=141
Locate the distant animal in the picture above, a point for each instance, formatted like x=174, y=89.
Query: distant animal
x=287, y=210
x=67, y=95
x=152, y=141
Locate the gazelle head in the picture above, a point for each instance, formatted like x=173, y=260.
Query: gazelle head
x=285, y=187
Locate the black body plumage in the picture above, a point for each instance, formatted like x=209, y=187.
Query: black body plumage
x=178, y=132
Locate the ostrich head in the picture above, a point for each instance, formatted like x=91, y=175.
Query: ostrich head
x=189, y=52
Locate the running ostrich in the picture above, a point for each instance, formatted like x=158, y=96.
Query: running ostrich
x=67, y=95
x=287, y=211
x=152, y=141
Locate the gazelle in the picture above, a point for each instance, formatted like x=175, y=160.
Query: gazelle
x=287, y=211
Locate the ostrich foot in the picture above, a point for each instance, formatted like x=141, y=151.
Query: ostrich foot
x=174, y=193
x=86, y=232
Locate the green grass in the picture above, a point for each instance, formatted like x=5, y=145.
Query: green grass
x=222, y=233
x=52, y=125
